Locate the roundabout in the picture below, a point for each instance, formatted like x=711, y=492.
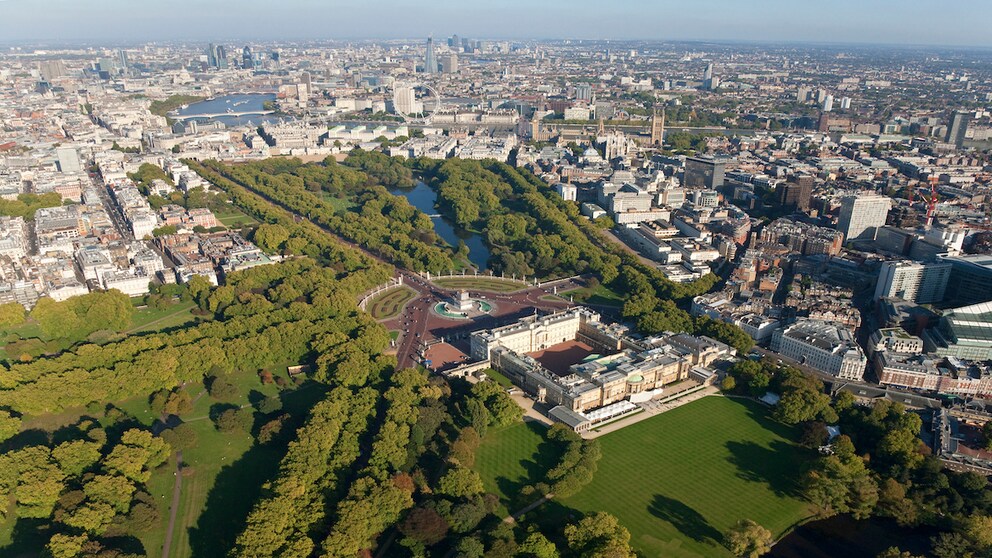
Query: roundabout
x=463, y=307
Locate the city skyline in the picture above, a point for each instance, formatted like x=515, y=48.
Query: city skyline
x=846, y=22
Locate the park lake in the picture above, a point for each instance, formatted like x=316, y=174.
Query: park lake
x=423, y=198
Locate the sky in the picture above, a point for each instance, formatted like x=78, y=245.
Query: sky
x=915, y=22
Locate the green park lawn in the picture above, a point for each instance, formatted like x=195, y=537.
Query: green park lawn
x=152, y=319
x=679, y=480
x=481, y=283
x=599, y=295
x=511, y=458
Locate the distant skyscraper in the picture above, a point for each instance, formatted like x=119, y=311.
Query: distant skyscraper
x=216, y=56
x=860, y=216
x=845, y=103
x=405, y=100
x=958, y=128
x=828, y=103
x=802, y=94
x=708, y=73
x=430, y=61
x=51, y=69
x=122, y=60
x=455, y=43
x=583, y=92
x=449, y=63
x=247, y=60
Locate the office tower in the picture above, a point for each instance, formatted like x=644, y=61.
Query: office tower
x=708, y=73
x=796, y=192
x=912, y=281
x=106, y=65
x=405, y=100
x=704, y=172
x=828, y=103
x=430, y=62
x=247, y=60
x=971, y=279
x=122, y=60
x=221, y=57
x=583, y=92
x=658, y=128
x=449, y=64
x=845, y=103
x=51, y=69
x=68, y=160
x=958, y=128
x=455, y=43
x=307, y=81
x=212, y=55
x=860, y=216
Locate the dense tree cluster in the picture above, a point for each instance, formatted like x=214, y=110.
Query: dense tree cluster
x=576, y=466
x=802, y=397
x=147, y=173
x=84, y=487
x=264, y=320
x=26, y=204
x=79, y=316
x=385, y=224
x=381, y=168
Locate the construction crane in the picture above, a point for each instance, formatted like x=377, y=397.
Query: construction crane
x=932, y=205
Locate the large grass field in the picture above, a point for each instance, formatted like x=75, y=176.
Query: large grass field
x=599, y=294
x=480, y=283
x=512, y=458
x=679, y=480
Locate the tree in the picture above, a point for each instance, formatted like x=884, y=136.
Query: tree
x=182, y=437
x=728, y=383
x=66, y=546
x=460, y=482
x=235, y=420
x=599, y=535
x=747, y=539
x=270, y=405
x=814, y=434
x=425, y=526
x=269, y=237
x=76, y=457
x=221, y=389
x=11, y=314
x=536, y=545
x=9, y=425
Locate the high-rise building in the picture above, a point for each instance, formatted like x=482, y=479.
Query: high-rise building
x=122, y=62
x=583, y=92
x=51, y=69
x=845, y=103
x=802, y=94
x=455, y=43
x=708, y=72
x=247, y=59
x=430, y=61
x=828, y=103
x=405, y=100
x=216, y=56
x=958, y=128
x=912, y=281
x=704, y=172
x=68, y=160
x=971, y=279
x=861, y=215
x=449, y=63
x=796, y=192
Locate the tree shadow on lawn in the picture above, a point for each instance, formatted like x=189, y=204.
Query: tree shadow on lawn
x=769, y=466
x=686, y=520
x=536, y=467
x=235, y=491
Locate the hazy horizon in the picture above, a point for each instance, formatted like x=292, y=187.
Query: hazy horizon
x=879, y=22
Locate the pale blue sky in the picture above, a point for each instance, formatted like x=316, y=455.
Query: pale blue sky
x=958, y=22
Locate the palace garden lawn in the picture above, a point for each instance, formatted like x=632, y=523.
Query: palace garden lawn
x=677, y=481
